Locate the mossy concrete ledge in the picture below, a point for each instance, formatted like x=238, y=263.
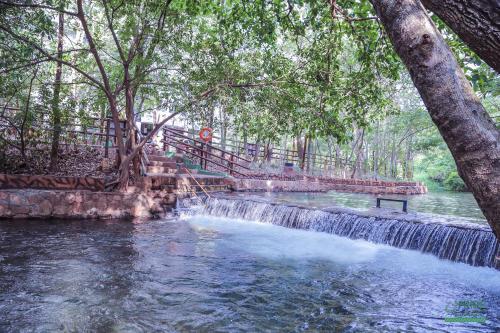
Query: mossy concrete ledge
x=82, y=204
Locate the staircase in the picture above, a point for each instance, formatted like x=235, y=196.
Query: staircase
x=210, y=160
x=162, y=165
x=176, y=173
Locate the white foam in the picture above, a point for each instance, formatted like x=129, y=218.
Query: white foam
x=275, y=242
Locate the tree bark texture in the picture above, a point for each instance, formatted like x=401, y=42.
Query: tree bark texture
x=476, y=22
x=466, y=127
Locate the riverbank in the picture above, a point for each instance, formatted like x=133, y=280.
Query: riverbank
x=83, y=204
x=323, y=184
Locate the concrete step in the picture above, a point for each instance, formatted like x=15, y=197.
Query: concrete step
x=161, y=158
x=158, y=158
x=171, y=165
x=203, y=180
x=161, y=175
x=161, y=169
x=210, y=188
x=157, y=180
x=168, y=187
x=183, y=171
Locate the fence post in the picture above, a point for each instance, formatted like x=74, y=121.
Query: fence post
x=201, y=154
x=164, y=139
x=231, y=165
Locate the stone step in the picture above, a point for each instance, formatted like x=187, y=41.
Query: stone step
x=161, y=175
x=161, y=170
x=203, y=180
x=167, y=187
x=171, y=165
x=159, y=158
x=210, y=188
x=184, y=171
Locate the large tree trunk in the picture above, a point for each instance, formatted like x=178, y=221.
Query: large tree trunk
x=476, y=22
x=56, y=109
x=462, y=121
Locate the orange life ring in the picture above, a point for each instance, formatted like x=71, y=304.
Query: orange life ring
x=206, y=134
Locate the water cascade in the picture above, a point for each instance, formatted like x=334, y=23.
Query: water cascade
x=469, y=243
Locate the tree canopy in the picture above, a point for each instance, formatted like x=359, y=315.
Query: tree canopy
x=263, y=69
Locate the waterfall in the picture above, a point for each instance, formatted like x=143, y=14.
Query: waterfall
x=468, y=243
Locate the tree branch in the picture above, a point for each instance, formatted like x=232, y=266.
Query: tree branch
x=92, y=46
x=35, y=62
x=48, y=55
x=35, y=6
x=109, y=19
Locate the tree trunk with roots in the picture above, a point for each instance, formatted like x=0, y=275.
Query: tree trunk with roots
x=476, y=22
x=464, y=124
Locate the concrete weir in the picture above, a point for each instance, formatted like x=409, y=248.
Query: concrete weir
x=446, y=237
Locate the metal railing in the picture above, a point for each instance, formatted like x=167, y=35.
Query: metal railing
x=273, y=154
x=206, y=153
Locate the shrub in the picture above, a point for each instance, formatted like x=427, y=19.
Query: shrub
x=453, y=182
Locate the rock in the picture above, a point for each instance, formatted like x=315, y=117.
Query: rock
x=45, y=208
x=70, y=198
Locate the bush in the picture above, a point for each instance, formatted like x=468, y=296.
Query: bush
x=453, y=182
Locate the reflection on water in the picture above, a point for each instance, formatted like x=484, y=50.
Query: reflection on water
x=443, y=203
x=212, y=274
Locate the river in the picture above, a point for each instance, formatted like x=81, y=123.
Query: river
x=460, y=204
x=211, y=274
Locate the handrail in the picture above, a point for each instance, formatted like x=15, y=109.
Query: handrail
x=290, y=151
x=189, y=173
x=202, y=157
x=207, y=152
x=208, y=145
x=277, y=152
x=213, y=162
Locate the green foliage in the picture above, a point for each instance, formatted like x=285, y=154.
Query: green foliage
x=454, y=182
x=263, y=70
x=437, y=168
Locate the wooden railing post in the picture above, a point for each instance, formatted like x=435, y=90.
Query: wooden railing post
x=201, y=155
x=164, y=140
x=231, y=165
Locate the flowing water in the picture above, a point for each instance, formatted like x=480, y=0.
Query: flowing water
x=212, y=274
x=461, y=241
x=460, y=204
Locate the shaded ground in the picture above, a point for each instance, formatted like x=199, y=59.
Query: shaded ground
x=77, y=161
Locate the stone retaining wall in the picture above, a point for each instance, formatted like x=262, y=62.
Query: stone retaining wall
x=82, y=204
x=344, y=185
x=51, y=182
